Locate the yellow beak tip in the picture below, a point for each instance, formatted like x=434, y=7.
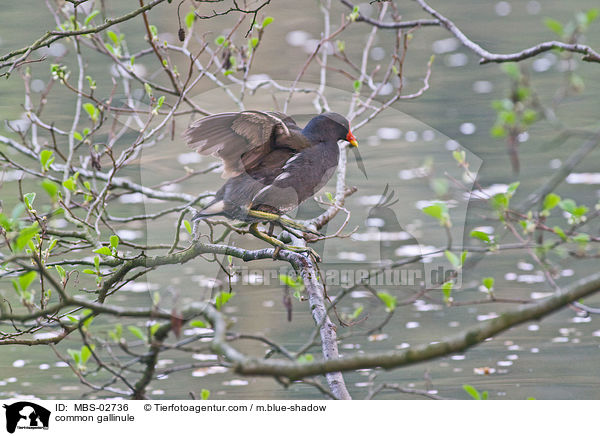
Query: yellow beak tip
x=354, y=143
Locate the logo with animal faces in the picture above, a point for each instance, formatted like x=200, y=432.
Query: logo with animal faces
x=25, y=415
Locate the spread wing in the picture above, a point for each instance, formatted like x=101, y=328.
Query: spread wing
x=243, y=139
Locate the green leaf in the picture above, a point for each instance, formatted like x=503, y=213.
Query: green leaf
x=222, y=298
x=560, y=232
x=463, y=257
x=554, y=25
x=198, y=324
x=26, y=279
x=154, y=328
x=529, y=116
x=305, y=358
x=46, y=159
x=435, y=210
x=551, y=201
x=357, y=312
x=204, y=394
x=97, y=262
x=85, y=353
x=498, y=131
x=592, y=14
x=473, y=393
x=581, y=238
x=137, y=332
x=75, y=355
x=50, y=187
x=488, y=282
x=447, y=290
x=5, y=222
x=114, y=241
x=512, y=188
x=459, y=156
x=148, y=89
x=189, y=19
x=452, y=258
x=25, y=236
x=219, y=40
x=89, y=271
x=160, y=102
x=90, y=17
x=29, y=199
x=113, y=37
x=253, y=42
x=500, y=202
x=357, y=85
x=61, y=272
x=188, y=226
x=104, y=251
x=267, y=21
x=512, y=70
x=287, y=280
x=389, y=300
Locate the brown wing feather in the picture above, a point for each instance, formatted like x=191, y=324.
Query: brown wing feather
x=243, y=139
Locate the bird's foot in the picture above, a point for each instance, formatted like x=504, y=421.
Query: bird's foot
x=280, y=245
x=284, y=222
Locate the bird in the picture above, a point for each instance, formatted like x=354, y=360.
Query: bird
x=271, y=165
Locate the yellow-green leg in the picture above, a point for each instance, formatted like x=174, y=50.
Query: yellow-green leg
x=280, y=245
x=283, y=221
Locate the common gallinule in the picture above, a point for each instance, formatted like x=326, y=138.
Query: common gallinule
x=271, y=164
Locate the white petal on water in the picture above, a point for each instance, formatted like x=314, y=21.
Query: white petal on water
x=555, y=164
x=20, y=363
x=503, y=8
x=467, y=128
x=485, y=317
x=129, y=235
x=456, y=60
x=531, y=278
x=428, y=135
x=542, y=64
x=389, y=133
x=451, y=145
x=533, y=7
x=445, y=45
x=412, y=325
x=504, y=363
x=236, y=382
x=352, y=255
x=533, y=327
x=257, y=79
x=411, y=136
x=581, y=319
x=374, y=222
x=202, y=372
x=483, y=86
x=524, y=266
x=296, y=38
x=205, y=357
x=138, y=287
x=377, y=53
x=583, y=178
x=189, y=158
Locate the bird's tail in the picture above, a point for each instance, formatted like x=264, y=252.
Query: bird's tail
x=214, y=208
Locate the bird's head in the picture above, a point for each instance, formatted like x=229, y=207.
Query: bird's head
x=331, y=125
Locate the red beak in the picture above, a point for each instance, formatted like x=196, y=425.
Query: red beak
x=351, y=139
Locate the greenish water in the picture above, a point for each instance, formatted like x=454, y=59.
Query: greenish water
x=552, y=358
